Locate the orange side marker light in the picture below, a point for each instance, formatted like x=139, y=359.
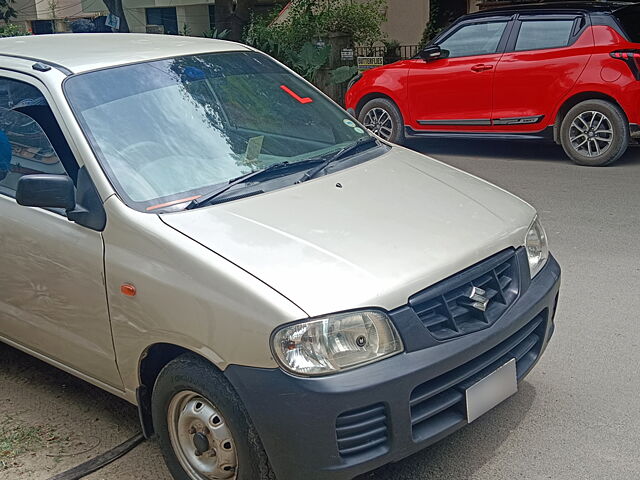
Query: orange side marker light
x=128, y=290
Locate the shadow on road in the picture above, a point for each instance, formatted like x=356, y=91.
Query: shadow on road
x=513, y=150
x=25, y=376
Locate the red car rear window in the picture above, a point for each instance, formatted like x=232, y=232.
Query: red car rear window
x=630, y=19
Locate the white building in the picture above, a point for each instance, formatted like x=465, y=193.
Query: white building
x=48, y=16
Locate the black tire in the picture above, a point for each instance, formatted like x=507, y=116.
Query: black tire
x=189, y=372
x=620, y=137
x=396, y=133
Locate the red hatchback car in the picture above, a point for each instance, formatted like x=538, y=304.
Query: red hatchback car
x=564, y=71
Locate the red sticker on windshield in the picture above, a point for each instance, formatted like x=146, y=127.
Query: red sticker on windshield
x=295, y=95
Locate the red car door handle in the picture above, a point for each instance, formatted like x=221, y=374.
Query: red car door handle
x=481, y=67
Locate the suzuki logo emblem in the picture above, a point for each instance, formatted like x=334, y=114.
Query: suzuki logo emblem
x=478, y=299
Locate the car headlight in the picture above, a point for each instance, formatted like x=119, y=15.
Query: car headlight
x=335, y=343
x=537, y=247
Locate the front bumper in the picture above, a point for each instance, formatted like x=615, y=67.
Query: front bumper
x=340, y=426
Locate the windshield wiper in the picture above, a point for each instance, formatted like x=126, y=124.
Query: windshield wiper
x=347, y=151
x=204, y=199
x=343, y=153
x=207, y=198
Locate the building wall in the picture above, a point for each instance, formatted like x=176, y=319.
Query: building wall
x=194, y=15
x=60, y=11
x=67, y=9
x=406, y=20
x=96, y=6
x=26, y=9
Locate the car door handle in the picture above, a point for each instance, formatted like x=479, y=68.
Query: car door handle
x=481, y=67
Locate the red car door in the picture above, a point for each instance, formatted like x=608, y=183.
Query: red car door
x=543, y=61
x=455, y=93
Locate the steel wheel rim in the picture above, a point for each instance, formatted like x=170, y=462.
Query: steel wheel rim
x=201, y=438
x=379, y=122
x=591, y=134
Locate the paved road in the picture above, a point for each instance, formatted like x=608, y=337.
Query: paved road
x=577, y=416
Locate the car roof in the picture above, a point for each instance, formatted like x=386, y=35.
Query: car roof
x=593, y=7
x=81, y=52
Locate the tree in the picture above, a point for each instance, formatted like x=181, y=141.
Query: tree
x=6, y=9
x=115, y=8
x=233, y=16
x=83, y=25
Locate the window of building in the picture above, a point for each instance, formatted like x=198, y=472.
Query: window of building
x=165, y=17
x=212, y=17
x=30, y=139
x=41, y=27
x=541, y=34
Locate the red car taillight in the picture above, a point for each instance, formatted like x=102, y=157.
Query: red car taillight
x=631, y=58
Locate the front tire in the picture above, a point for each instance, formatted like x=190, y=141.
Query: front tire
x=595, y=133
x=382, y=117
x=202, y=427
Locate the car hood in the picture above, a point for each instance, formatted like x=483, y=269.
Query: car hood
x=366, y=236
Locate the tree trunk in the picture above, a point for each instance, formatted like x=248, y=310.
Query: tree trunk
x=243, y=12
x=115, y=8
x=233, y=17
x=224, y=11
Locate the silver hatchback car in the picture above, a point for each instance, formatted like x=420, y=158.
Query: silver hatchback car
x=192, y=227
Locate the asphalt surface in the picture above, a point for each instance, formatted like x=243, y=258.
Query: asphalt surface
x=576, y=416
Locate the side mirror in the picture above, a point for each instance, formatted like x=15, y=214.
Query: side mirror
x=46, y=191
x=433, y=52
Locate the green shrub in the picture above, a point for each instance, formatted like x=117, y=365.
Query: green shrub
x=362, y=21
x=299, y=41
x=214, y=33
x=439, y=19
x=12, y=30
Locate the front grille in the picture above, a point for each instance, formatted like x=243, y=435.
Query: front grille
x=438, y=406
x=470, y=300
x=362, y=430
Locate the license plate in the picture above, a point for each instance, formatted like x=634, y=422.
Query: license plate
x=491, y=390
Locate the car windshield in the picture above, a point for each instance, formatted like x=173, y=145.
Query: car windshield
x=168, y=131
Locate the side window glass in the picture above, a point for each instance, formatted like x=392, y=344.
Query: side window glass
x=630, y=19
x=24, y=149
x=30, y=138
x=474, y=39
x=541, y=34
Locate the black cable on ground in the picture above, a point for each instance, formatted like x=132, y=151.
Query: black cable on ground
x=100, y=461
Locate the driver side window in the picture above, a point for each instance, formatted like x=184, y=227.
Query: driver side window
x=474, y=39
x=25, y=148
